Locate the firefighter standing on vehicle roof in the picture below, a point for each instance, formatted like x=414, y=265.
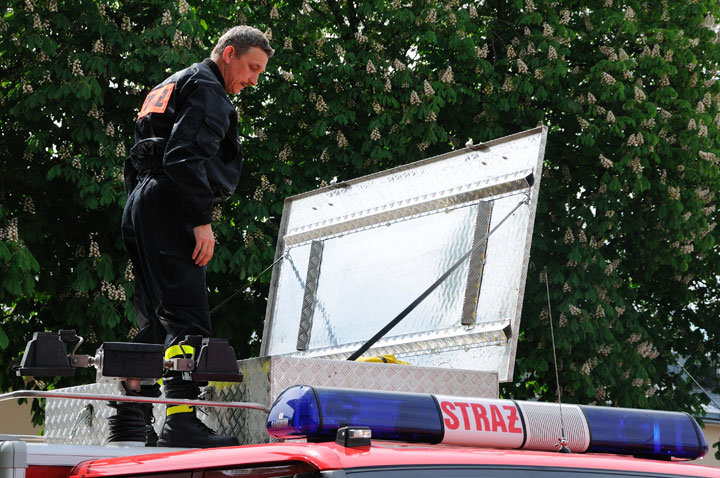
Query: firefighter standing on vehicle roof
x=186, y=157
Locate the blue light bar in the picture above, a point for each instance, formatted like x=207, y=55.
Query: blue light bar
x=294, y=414
x=647, y=433
x=316, y=413
x=391, y=416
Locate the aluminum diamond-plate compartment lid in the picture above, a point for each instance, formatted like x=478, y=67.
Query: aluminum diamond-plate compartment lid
x=353, y=255
x=267, y=377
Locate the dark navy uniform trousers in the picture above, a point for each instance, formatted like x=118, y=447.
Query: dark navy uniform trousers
x=170, y=292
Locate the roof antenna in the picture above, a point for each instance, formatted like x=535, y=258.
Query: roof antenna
x=562, y=441
x=699, y=386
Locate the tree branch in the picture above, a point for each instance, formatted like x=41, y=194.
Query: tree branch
x=335, y=9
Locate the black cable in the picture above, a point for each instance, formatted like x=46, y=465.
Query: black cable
x=562, y=441
x=699, y=386
x=245, y=286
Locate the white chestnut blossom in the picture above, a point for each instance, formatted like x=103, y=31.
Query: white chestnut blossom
x=605, y=162
x=508, y=84
x=113, y=292
x=428, y=89
x=431, y=16
x=522, y=67
x=606, y=78
x=629, y=14
x=10, y=232
x=447, y=75
x=639, y=95
x=547, y=30
x=94, y=250
x=565, y=17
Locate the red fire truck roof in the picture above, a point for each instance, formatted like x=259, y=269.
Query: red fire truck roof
x=288, y=459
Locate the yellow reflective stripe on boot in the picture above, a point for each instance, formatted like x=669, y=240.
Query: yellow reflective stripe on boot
x=179, y=409
x=176, y=351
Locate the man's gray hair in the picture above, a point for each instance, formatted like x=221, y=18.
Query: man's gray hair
x=242, y=38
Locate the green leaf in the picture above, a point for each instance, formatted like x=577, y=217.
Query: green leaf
x=54, y=172
x=4, y=340
x=104, y=267
x=11, y=282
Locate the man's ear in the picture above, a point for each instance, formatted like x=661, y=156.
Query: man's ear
x=228, y=54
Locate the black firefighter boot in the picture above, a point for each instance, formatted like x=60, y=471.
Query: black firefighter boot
x=182, y=427
x=132, y=423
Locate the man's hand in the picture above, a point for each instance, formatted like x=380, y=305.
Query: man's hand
x=204, y=244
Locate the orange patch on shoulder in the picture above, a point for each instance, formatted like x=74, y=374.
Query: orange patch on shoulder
x=157, y=100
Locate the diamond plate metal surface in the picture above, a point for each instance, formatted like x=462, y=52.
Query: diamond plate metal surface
x=477, y=264
x=474, y=168
x=247, y=425
x=80, y=422
x=308, y=305
x=272, y=375
x=419, y=345
x=399, y=211
x=389, y=235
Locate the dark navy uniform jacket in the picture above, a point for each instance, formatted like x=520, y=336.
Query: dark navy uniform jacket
x=187, y=130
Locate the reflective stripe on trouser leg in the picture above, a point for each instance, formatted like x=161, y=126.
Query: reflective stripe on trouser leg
x=179, y=351
x=172, y=410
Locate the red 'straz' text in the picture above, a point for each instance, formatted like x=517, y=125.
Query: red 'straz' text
x=479, y=417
